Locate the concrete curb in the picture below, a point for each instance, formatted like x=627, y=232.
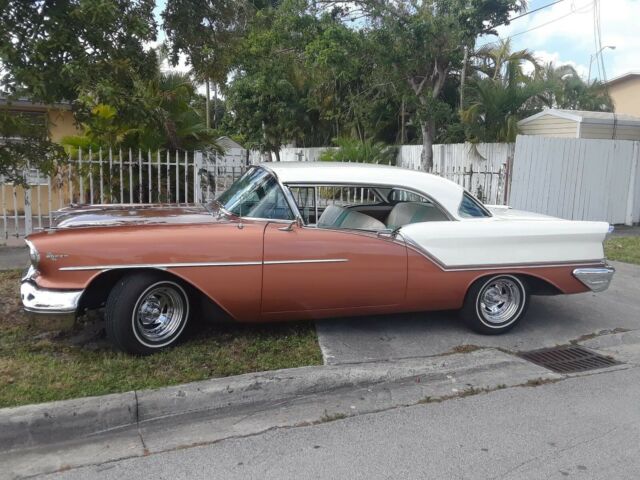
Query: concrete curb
x=49, y=423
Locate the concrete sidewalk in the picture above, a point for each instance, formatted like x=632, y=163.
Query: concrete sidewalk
x=585, y=428
x=468, y=404
x=49, y=437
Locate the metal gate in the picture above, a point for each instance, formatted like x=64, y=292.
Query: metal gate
x=114, y=177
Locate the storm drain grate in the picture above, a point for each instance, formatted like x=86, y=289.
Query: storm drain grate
x=568, y=359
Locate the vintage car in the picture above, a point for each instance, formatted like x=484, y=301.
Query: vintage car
x=292, y=241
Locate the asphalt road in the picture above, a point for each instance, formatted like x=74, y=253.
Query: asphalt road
x=550, y=321
x=586, y=427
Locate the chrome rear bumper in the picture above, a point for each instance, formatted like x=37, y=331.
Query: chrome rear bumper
x=39, y=300
x=597, y=279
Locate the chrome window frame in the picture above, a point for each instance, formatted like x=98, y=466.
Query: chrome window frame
x=285, y=191
x=373, y=187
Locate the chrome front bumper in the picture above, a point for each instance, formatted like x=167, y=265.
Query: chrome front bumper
x=39, y=300
x=597, y=279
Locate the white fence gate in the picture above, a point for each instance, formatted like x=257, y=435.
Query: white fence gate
x=114, y=177
x=579, y=179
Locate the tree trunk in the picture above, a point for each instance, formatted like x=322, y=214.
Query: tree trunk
x=277, y=152
x=215, y=105
x=206, y=104
x=428, y=128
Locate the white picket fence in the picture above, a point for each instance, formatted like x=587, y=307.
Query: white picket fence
x=115, y=177
x=579, y=179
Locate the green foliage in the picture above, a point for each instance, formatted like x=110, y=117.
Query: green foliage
x=49, y=50
x=419, y=45
x=161, y=115
x=367, y=151
x=24, y=144
x=501, y=93
x=208, y=33
x=52, y=51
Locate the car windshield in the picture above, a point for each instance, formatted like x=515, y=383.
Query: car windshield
x=256, y=195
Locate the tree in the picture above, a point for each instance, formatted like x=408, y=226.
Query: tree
x=367, y=151
x=421, y=43
x=52, y=51
x=566, y=89
x=501, y=93
x=165, y=118
x=24, y=144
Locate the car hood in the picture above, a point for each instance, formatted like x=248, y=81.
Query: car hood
x=117, y=215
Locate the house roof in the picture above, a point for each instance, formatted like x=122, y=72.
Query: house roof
x=226, y=143
x=583, y=116
x=623, y=77
x=443, y=191
x=24, y=103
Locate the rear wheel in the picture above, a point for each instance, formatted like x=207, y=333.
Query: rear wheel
x=146, y=312
x=494, y=305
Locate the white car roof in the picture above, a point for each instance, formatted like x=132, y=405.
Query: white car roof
x=443, y=191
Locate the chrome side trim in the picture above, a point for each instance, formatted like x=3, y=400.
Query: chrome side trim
x=324, y=260
x=200, y=264
x=597, y=279
x=160, y=265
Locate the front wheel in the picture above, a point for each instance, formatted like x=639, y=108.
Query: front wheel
x=494, y=305
x=146, y=312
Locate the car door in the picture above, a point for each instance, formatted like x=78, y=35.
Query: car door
x=310, y=269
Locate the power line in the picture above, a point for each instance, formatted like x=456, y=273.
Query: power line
x=582, y=9
x=531, y=11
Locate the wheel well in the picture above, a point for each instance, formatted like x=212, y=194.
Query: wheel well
x=539, y=286
x=536, y=285
x=96, y=293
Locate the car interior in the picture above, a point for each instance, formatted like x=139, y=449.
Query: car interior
x=388, y=209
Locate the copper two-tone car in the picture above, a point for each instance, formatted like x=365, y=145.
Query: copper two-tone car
x=292, y=241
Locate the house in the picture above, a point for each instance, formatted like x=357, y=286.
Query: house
x=59, y=122
x=57, y=118
x=234, y=153
x=581, y=124
x=625, y=93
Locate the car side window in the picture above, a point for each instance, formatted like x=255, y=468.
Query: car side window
x=256, y=195
x=471, y=208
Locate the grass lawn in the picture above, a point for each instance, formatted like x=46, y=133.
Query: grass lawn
x=40, y=366
x=623, y=249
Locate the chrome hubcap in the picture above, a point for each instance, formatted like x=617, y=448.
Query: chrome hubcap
x=159, y=313
x=500, y=300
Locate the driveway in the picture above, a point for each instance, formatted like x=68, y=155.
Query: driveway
x=549, y=321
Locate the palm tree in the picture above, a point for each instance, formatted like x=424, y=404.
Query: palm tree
x=500, y=93
x=172, y=121
x=566, y=89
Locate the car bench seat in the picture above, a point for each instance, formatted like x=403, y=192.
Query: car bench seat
x=413, y=212
x=339, y=217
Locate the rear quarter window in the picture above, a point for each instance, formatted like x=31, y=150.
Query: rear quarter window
x=471, y=208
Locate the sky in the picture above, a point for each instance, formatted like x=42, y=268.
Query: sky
x=564, y=34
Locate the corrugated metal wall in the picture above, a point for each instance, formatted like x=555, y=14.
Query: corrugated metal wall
x=579, y=179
